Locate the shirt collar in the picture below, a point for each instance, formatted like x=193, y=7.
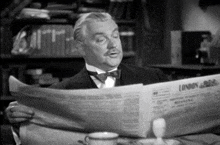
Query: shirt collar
x=95, y=69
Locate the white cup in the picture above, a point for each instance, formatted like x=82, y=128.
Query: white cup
x=102, y=138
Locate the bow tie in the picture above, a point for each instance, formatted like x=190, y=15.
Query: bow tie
x=103, y=76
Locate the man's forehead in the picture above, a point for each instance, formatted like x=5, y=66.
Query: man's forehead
x=101, y=26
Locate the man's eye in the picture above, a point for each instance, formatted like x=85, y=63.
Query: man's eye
x=99, y=40
x=116, y=35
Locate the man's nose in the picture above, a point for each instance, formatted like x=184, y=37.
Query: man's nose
x=112, y=44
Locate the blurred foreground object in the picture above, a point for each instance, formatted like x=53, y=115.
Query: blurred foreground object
x=159, y=129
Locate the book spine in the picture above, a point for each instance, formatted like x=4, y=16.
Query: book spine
x=60, y=40
x=176, y=47
x=130, y=39
x=67, y=40
x=73, y=49
x=63, y=44
x=33, y=41
x=53, y=41
x=120, y=9
x=116, y=8
x=49, y=41
x=123, y=34
x=130, y=10
x=43, y=39
x=112, y=7
x=39, y=42
x=56, y=44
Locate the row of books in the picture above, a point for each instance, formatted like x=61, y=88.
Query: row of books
x=127, y=38
x=57, y=41
x=49, y=41
x=122, y=9
x=119, y=9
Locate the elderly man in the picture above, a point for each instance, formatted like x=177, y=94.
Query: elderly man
x=96, y=37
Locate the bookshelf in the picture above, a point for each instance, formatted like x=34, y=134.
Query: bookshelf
x=60, y=64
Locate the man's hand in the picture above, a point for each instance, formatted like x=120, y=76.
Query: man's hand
x=17, y=113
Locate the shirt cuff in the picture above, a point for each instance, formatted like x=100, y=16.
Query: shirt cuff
x=16, y=137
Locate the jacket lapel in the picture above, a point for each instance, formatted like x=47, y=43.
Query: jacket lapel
x=81, y=80
x=127, y=76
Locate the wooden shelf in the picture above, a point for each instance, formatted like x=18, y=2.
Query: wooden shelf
x=20, y=57
x=41, y=21
x=127, y=22
x=54, y=21
x=129, y=54
x=187, y=67
x=26, y=57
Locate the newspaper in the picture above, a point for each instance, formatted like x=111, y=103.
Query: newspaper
x=188, y=106
x=115, y=109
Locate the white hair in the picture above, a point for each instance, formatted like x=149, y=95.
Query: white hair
x=84, y=19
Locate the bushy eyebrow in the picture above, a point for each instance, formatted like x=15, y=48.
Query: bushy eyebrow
x=116, y=29
x=101, y=33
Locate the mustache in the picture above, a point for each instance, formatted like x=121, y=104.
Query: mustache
x=112, y=51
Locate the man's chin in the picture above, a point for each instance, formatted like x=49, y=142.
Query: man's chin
x=114, y=64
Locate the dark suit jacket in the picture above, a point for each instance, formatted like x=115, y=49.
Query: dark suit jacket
x=129, y=75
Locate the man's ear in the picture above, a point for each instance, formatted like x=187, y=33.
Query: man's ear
x=79, y=46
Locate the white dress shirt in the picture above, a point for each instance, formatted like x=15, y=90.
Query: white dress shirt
x=109, y=82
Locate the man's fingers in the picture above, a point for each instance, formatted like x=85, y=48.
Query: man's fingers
x=22, y=109
x=17, y=120
x=17, y=113
x=20, y=115
x=17, y=117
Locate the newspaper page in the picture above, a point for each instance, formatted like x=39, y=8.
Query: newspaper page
x=189, y=106
x=113, y=109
